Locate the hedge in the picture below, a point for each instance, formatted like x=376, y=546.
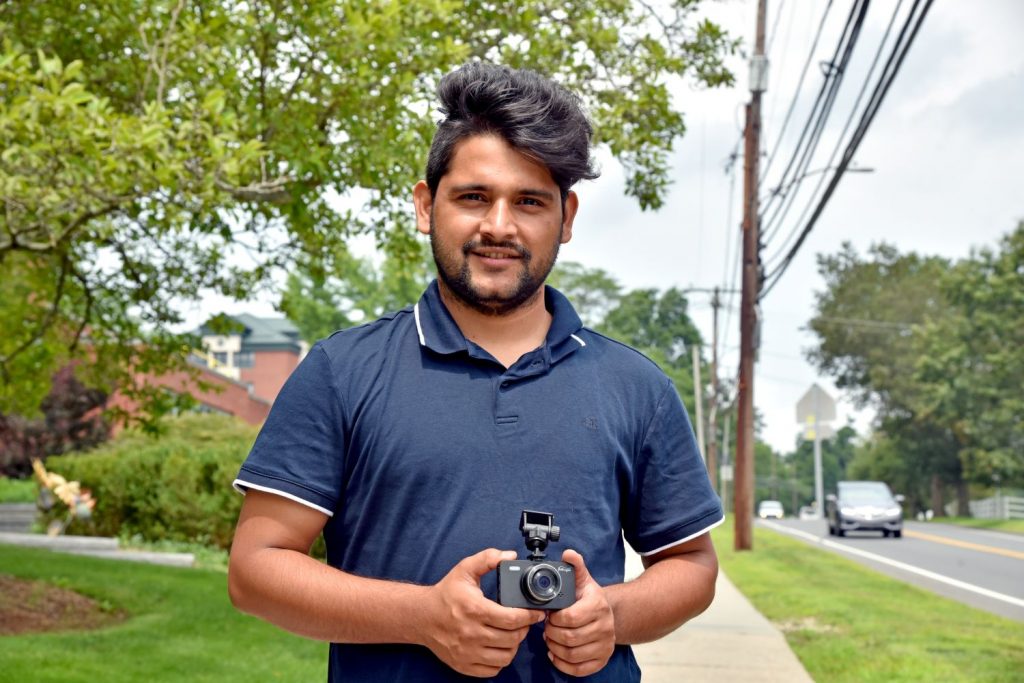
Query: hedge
x=175, y=486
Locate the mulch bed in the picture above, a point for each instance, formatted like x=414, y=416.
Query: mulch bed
x=37, y=607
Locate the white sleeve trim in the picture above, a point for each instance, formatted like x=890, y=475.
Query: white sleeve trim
x=683, y=540
x=240, y=485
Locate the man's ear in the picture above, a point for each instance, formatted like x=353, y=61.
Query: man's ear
x=572, y=205
x=424, y=204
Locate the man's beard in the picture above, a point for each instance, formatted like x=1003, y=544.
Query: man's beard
x=458, y=279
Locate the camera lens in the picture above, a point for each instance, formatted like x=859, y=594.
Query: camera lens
x=542, y=583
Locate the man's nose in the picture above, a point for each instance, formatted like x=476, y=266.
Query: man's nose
x=499, y=223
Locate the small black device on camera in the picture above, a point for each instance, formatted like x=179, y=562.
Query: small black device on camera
x=536, y=582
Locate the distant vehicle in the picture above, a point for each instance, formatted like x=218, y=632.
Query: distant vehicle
x=864, y=506
x=770, y=509
x=807, y=512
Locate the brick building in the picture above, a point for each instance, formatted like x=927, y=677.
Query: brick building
x=262, y=354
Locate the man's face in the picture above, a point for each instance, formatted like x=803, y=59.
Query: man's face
x=495, y=224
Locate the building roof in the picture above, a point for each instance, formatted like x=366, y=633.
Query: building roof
x=266, y=334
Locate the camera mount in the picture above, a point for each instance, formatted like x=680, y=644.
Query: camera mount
x=538, y=529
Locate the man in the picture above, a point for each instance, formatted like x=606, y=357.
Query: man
x=414, y=442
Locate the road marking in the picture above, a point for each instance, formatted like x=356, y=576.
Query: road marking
x=964, y=544
x=963, y=585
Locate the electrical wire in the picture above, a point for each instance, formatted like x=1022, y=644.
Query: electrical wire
x=903, y=42
x=796, y=95
x=772, y=260
x=803, y=154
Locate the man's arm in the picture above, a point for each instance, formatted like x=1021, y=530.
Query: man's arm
x=272, y=576
x=676, y=585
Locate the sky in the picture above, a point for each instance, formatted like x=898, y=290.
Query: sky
x=946, y=149
x=946, y=153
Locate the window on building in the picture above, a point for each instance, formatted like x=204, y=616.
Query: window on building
x=245, y=359
x=221, y=357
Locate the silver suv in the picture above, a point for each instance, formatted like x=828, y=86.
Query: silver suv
x=864, y=506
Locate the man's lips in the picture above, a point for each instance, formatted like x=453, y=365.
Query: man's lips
x=496, y=254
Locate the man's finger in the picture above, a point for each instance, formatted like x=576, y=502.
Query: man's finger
x=509, y=618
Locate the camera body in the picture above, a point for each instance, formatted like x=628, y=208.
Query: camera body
x=536, y=582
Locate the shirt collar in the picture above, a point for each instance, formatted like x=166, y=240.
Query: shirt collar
x=438, y=331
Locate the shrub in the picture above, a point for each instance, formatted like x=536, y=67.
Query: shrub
x=174, y=487
x=72, y=420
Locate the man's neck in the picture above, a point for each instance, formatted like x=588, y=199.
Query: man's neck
x=506, y=337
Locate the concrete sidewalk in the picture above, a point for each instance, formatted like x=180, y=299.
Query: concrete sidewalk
x=731, y=641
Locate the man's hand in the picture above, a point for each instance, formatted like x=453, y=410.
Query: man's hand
x=471, y=634
x=581, y=638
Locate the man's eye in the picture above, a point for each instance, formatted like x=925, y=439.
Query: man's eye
x=530, y=201
x=473, y=197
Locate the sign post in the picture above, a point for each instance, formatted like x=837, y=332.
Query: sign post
x=815, y=410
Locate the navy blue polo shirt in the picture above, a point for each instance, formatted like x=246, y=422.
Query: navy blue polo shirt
x=423, y=449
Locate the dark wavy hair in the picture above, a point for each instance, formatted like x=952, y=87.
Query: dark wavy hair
x=533, y=114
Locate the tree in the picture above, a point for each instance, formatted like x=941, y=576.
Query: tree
x=866, y=321
x=320, y=302
x=658, y=324
x=153, y=152
x=592, y=291
x=971, y=362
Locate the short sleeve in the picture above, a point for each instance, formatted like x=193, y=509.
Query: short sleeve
x=671, y=499
x=299, y=453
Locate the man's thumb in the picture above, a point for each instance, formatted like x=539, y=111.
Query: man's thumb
x=578, y=565
x=475, y=566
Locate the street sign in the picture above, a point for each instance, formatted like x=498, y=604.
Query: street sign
x=817, y=405
x=824, y=430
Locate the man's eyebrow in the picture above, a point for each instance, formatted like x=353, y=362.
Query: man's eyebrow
x=479, y=187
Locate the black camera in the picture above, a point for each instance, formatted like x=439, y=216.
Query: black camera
x=537, y=583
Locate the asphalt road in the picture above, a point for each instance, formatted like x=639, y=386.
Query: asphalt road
x=984, y=569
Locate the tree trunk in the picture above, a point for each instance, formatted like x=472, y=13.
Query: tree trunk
x=938, y=509
x=963, y=499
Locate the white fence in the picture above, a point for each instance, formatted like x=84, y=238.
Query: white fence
x=998, y=507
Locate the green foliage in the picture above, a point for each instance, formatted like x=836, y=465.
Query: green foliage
x=937, y=348
x=592, y=291
x=176, y=487
x=320, y=301
x=866, y=321
x=155, y=152
x=180, y=627
x=971, y=363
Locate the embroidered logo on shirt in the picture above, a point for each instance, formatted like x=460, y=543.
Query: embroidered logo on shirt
x=590, y=423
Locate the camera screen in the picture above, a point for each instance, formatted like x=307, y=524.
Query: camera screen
x=538, y=518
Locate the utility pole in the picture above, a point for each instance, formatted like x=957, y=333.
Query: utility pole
x=698, y=391
x=716, y=303
x=744, y=469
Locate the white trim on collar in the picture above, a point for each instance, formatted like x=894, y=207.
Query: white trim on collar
x=419, y=327
x=582, y=343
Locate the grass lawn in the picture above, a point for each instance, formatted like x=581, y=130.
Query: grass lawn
x=848, y=623
x=182, y=628
x=18, y=490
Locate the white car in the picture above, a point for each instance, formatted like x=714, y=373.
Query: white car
x=770, y=509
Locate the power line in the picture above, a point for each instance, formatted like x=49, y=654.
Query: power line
x=836, y=70
x=906, y=37
x=796, y=95
x=772, y=260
